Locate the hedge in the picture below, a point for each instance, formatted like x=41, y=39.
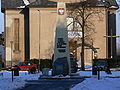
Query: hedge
x=44, y=63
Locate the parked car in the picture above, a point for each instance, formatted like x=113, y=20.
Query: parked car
x=102, y=65
x=26, y=66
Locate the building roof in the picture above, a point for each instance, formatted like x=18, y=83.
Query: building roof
x=7, y=4
x=43, y=3
x=11, y=3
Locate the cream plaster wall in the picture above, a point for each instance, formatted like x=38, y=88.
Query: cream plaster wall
x=99, y=39
x=47, y=19
x=42, y=22
x=100, y=25
x=9, y=34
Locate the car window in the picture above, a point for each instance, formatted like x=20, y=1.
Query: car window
x=23, y=64
x=28, y=63
x=20, y=63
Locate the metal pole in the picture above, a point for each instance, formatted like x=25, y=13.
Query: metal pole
x=92, y=60
x=11, y=43
x=98, y=73
x=12, y=75
x=39, y=38
x=111, y=44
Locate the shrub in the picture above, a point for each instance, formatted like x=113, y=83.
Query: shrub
x=44, y=63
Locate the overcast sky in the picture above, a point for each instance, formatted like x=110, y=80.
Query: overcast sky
x=1, y=20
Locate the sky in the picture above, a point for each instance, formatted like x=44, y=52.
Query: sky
x=1, y=20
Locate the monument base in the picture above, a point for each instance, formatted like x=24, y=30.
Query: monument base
x=60, y=77
x=60, y=67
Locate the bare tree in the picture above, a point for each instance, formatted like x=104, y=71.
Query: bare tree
x=2, y=38
x=83, y=13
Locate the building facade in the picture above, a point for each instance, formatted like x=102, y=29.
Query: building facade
x=30, y=30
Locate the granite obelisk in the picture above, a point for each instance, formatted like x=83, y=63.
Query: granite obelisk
x=61, y=63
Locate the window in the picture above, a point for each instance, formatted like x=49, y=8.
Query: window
x=74, y=29
x=16, y=34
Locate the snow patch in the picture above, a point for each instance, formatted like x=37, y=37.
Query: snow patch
x=6, y=82
x=26, y=2
x=91, y=83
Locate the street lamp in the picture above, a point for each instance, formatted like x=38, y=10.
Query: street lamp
x=39, y=37
x=11, y=44
x=95, y=55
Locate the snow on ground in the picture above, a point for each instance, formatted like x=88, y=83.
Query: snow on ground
x=105, y=82
x=92, y=83
x=102, y=84
x=18, y=81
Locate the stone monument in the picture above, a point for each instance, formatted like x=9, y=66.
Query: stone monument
x=61, y=62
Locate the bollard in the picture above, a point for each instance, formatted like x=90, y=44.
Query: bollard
x=94, y=70
x=16, y=72
x=12, y=75
x=45, y=71
x=98, y=73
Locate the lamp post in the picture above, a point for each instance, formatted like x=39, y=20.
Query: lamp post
x=11, y=44
x=39, y=37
